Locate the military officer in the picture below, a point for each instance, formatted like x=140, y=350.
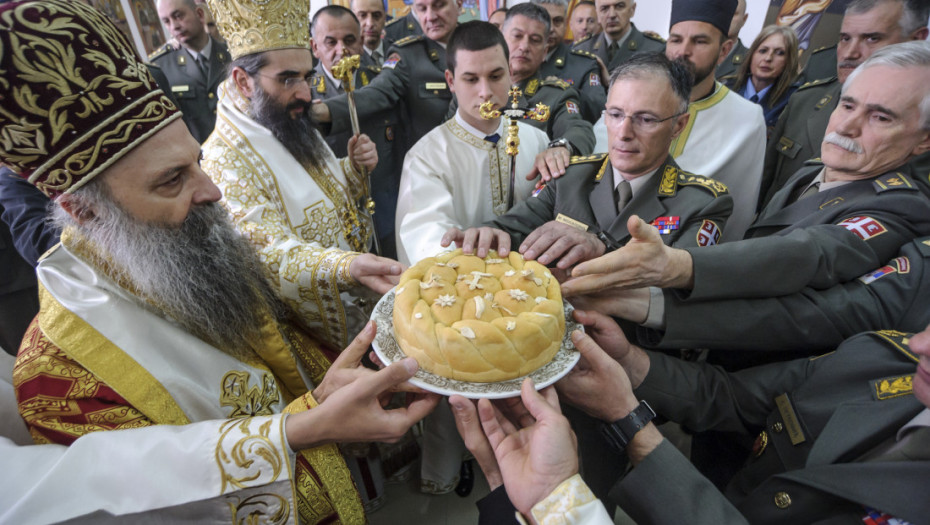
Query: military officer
x=194, y=66
x=584, y=213
x=336, y=34
x=526, y=32
x=820, y=64
x=799, y=131
x=619, y=39
x=731, y=64
x=583, y=20
x=370, y=14
x=403, y=26
x=577, y=67
x=412, y=78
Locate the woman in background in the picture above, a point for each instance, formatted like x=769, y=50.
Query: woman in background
x=767, y=78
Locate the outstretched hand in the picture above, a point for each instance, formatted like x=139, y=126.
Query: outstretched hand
x=644, y=261
x=379, y=274
x=478, y=240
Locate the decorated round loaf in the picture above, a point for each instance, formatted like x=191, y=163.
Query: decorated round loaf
x=480, y=320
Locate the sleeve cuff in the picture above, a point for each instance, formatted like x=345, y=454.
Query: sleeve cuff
x=571, y=502
x=655, y=318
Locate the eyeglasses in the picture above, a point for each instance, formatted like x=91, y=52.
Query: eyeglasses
x=640, y=121
x=291, y=83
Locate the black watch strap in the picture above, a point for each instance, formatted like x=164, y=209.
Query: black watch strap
x=621, y=432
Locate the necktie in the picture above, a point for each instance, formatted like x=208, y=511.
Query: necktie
x=623, y=195
x=754, y=99
x=201, y=65
x=612, y=51
x=376, y=56
x=813, y=189
x=493, y=138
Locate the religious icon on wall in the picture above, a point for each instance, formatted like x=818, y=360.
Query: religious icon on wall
x=149, y=26
x=816, y=22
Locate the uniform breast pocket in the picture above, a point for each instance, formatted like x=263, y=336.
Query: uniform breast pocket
x=788, y=147
x=434, y=90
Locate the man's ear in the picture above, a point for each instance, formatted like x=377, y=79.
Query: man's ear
x=78, y=210
x=244, y=83
x=923, y=146
x=450, y=81
x=725, y=50
x=680, y=124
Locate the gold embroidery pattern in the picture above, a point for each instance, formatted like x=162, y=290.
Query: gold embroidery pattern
x=667, y=186
x=247, y=400
x=82, y=98
x=252, y=27
x=246, y=454
x=255, y=509
x=306, y=273
x=570, y=494
x=714, y=186
x=892, y=387
x=498, y=162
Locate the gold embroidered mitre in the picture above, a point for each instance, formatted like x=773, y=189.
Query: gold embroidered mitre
x=254, y=26
x=74, y=96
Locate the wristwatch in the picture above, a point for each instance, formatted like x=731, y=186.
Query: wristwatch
x=561, y=143
x=621, y=432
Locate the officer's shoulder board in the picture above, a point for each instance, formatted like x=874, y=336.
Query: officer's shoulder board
x=582, y=159
x=407, y=40
x=152, y=65
x=818, y=82
x=672, y=176
x=652, y=35
x=900, y=341
x=584, y=53
x=556, y=82
x=163, y=50
x=585, y=39
x=823, y=48
x=892, y=182
x=394, y=21
x=923, y=246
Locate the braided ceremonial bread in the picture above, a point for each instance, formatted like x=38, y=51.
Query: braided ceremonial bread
x=479, y=320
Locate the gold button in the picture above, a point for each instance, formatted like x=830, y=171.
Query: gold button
x=778, y=427
x=210, y=95
x=782, y=500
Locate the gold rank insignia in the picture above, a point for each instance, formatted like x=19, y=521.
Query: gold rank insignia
x=824, y=101
x=532, y=87
x=714, y=186
x=321, y=86
x=633, y=45
x=892, y=387
x=892, y=181
x=182, y=60
x=433, y=55
x=899, y=340
x=221, y=56
x=668, y=185
x=737, y=59
x=560, y=62
x=364, y=78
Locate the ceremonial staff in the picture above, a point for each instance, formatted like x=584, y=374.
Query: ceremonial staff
x=539, y=113
x=344, y=71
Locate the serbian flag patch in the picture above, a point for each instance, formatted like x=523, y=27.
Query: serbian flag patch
x=538, y=190
x=571, y=107
x=709, y=234
x=666, y=224
x=594, y=80
x=864, y=227
x=391, y=61
x=875, y=275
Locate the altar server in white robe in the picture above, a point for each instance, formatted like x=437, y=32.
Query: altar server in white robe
x=458, y=174
x=725, y=136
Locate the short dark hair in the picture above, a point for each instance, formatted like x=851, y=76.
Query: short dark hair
x=499, y=10
x=914, y=13
x=475, y=35
x=335, y=11
x=531, y=11
x=640, y=64
x=586, y=2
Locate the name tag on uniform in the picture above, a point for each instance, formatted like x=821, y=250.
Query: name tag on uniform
x=565, y=219
x=180, y=89
x=436, y=85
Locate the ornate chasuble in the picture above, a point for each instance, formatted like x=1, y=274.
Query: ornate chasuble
x=304, y=224
x=97, y=358
x=453, y=177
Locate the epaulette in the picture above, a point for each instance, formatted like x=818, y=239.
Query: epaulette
x=893, y=181
x=557, y=82
x=165, y=48
x=901, y=341
x=716, y=187
x=818, y=82
x=653, y=36
x=581, y=159
x=407, y=40
x=152, y=65
x=585, y=39
x=824, y=48
x=584, y=53
x=394, y=20
x=923, y=246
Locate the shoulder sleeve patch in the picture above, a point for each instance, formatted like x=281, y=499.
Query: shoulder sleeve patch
x=407, y=40
x=653, y=36
x=893, y=181
x=716, y=187
x=557, y=82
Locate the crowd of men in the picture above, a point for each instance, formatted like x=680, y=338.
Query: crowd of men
x=195, y=245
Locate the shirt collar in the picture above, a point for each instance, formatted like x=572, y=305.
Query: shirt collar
x=920, y=420
x=205, y=51
x=750, y=90
x=635, y=184
x=623, y=39
x=379, y=49
x=475, y=131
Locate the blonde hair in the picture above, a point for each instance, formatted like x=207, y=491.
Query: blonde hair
x=784, y=81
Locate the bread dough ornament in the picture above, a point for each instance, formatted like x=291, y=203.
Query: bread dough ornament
x=480, y=320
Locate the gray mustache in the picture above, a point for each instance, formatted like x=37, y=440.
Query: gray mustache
x=844, y=142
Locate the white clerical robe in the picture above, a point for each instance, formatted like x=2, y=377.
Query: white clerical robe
x=453, y=177
x=724, y=140
x=305, y=224
x=174, y=378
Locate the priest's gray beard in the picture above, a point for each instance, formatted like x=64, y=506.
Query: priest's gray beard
x=298, y=135
x=203, y=273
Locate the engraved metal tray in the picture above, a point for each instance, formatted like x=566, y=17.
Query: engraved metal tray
x=389, y=351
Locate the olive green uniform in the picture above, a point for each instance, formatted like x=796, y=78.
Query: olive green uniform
x=402, y=27
x=820, y=65
x=196, y=95
x=636, y=42
x=729, y=68
x=565, y=119
x=579, y=68
x=381, y=128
